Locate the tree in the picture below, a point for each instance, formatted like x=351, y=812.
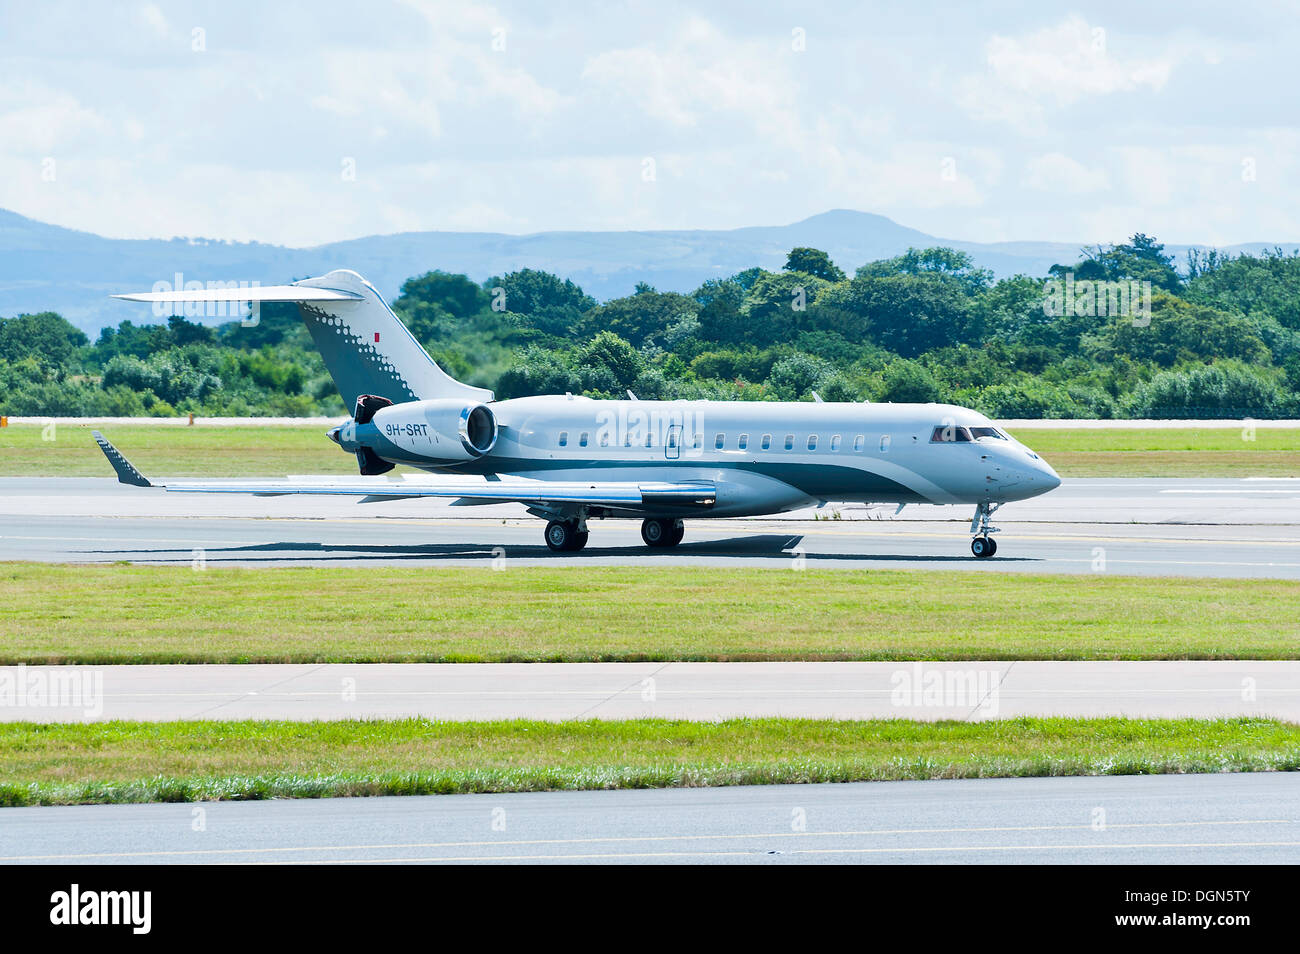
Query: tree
x=550, y=303
x=794, y=376
x=646, y=314
x=906, y=382
x=536, y=371
x=454, y=294
x=1142, y=259
x=1227, y=389
x=941, y=260
x=608, y=350
x=1177, y=332
x=720, y=301
x=776, y=307
x=815, y=262
x=913, y=314
x=47, y=337
x=1268, y=283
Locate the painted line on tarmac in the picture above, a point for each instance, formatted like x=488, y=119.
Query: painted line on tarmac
x=628, y=839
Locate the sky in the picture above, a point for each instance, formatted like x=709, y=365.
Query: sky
x=308, y=123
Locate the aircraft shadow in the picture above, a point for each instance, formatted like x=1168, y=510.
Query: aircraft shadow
x=776, y=546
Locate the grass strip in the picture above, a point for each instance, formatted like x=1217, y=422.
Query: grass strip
x=116, y=762
x=56, y=614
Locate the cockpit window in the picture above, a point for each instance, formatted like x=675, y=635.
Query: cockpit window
x=978, y=432
x=950, y=433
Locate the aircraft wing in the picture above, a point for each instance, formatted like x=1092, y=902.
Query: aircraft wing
x=471, y=490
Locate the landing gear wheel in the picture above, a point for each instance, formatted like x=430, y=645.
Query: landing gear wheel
x=993, y=547
x=564, y=535
x=983, y=547
x=661, y=533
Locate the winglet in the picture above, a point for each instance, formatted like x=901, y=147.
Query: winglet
x=126, y=472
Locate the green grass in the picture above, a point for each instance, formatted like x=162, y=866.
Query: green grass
x=140, y=614
x=173, y=451
x=301, y=449
x=1168, y=452
x=189, y=761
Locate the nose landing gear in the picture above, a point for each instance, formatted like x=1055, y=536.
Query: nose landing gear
x=983, y=545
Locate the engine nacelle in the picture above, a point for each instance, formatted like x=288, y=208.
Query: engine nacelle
x=446, y=429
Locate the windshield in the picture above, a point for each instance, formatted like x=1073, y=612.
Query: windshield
x=950, y=433
x=978, y=432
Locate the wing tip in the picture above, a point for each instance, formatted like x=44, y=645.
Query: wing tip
x=125, y=470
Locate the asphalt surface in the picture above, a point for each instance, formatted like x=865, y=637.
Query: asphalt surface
x=1170, y=819
x=828, y=690
x=1160, y=527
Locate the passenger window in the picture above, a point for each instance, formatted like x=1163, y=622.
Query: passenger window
x=812, y=441
x=859, y=442
x=698, y=442
x=884, y=443
x=767, y=442
x=743, y=442
x=720, y=441
x=604, y=439
x=564, y=438
x=789, y=442
x=582, y=441
x=650, y=439
x=835, y=442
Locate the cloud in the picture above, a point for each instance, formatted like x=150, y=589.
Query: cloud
x=1057, y=172
x=523, y=117
x=700, y=77
x=1030, y=74
x=37, y=120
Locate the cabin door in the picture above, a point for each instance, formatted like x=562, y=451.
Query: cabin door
x=673, y=443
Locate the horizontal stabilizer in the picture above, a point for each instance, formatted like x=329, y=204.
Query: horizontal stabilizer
x=287, y=293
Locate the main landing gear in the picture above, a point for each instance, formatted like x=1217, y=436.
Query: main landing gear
x=983, y=545
x=662, y=533
x=570, y=535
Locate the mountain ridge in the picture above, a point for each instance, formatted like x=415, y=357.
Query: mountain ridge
x=46, y=267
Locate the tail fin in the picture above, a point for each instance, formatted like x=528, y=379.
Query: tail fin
x=365, y=346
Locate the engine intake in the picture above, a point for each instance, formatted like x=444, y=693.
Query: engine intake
x=444, y=429
x=478, y=429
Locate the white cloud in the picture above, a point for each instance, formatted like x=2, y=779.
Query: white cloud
x=153, y=18
x=1057, y=172
x=519, y=117
x=36, y=119
x=1057, y=66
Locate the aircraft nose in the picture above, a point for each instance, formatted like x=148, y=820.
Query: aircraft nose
x=1048, y=477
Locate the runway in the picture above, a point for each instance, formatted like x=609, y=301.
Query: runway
x=1168, y=819
x=555, y=691
x=1165, y=527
